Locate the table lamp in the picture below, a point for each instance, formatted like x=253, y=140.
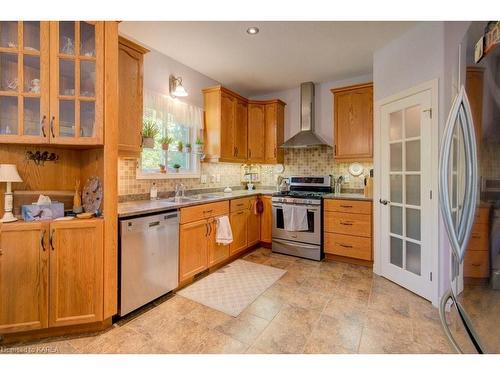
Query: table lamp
x=8, y=173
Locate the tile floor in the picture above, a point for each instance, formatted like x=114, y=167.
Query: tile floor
x=314, y=308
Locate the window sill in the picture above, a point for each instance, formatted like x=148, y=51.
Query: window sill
x=165, y=176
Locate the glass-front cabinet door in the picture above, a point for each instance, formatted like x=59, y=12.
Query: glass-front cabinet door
x=24, y=82
x=77, y=55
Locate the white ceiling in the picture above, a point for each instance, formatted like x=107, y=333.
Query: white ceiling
x=281, y=56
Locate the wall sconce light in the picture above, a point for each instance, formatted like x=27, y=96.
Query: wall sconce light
x=176, y=88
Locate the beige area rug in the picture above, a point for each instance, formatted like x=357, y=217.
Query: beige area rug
x=235, y=286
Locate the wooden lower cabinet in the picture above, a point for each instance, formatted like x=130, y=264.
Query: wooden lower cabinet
x=253, y=228
x=216, y=253
x=266, y=220
x=193, y=249
x=477, y=256
x=23, y=277
x=239, y=227
x=76, y=272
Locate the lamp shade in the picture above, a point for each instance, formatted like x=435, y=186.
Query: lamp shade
x=8, y=173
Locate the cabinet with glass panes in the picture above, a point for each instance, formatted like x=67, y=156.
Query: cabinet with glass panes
x=51, y=82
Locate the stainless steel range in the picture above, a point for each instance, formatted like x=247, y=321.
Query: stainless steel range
x=304, y=192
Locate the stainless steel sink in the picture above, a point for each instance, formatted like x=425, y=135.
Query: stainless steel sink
x=211, y=195
x=183, y=199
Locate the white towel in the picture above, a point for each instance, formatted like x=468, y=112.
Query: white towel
x=224, y=234
x=295, y=218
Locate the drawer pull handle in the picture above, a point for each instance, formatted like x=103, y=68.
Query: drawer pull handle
x=207, y=211
x=42, y=242
x=476, y=236
x=346, y=222
x=341, y=244
x=51, y=239
x=476, y=264
x=345, y=206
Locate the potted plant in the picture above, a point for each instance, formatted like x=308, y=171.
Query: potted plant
x=149, y=133
x=163, y=169
x=165, y=142
x=180, y=146
x=198, y=147
x=187, y=147
x=176, y=167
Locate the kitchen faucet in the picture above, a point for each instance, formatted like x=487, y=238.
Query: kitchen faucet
x=180, y=188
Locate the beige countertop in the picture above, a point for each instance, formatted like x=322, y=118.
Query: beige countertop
x=140, y=207
x=349, y=196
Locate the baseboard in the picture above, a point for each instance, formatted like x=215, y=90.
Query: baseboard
x=338, y=258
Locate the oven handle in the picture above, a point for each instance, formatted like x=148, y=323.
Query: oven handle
x=309, y=208
x=303, y=245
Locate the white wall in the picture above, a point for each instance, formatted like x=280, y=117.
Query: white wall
x=323, y=106
x=157, y=69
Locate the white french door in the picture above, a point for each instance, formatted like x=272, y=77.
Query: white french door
x=406, y=210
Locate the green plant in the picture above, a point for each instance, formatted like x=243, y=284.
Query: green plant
x=180, y=145
x=199, y=141
x=166, y=140
x=149, y=129
x=188, y=145
x=176, y=166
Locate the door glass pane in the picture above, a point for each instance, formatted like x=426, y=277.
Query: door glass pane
x=87, y=119
x=396, y=157
x=396, y=188
x=413, y=190
x=87, y=39
x=413, y=257
x=31, y=74
x=413, y=156
x=412, y=122
x=8, y=115
x=87, y=78
x=66, y=118
x=397, y=220
x=397, y=251
x=413, y=223
x=8, y=34
x=8, y=72
x=66, y=77
x=32, y=116
x=31, y=35
x=395, y=123
x=67, y=37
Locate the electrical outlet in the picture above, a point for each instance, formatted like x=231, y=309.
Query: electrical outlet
x=217, y=177
x=212, y=178
x=203, y=178
x=347, y=178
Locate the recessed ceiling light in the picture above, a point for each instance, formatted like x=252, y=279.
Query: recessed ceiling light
x=253, y=30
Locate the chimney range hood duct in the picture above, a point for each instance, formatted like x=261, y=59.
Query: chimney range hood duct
x=306, y=137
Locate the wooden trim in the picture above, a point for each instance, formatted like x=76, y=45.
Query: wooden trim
x=264, y=102
x=352, y=87
x=338, y=258
x=110, y=265
x=133, y=45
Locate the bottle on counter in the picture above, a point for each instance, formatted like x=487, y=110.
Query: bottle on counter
x=369, y=185
x=153, y=192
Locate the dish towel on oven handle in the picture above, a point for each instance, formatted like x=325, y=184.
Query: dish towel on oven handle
x=223, y=234
x=295, y=218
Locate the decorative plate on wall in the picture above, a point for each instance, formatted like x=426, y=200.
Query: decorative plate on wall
x=355, y=169
x=92, y=195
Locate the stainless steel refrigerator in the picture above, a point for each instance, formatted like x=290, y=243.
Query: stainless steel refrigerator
x=469, y=184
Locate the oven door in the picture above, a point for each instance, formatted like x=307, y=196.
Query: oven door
x=312, y=235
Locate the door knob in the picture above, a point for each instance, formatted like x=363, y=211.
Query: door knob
x=384, y=201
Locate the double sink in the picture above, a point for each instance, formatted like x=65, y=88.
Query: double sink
x=194, y=198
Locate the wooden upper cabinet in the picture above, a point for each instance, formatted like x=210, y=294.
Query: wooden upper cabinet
x=353, y=122
x=274, y=132
x=76, y=82
x=23, y=276
x=24, y=82
x=76, y=272
x=474, y=88
x=239, y=130
x=256, y=132
x=130, y=97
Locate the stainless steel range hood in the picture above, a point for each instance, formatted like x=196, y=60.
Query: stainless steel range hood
x=306, y=137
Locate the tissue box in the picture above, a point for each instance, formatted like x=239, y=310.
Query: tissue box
x=34, y=212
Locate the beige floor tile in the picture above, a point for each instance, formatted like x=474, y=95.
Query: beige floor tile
x=390, y=325
x=278, y=338
x=182, y=336
x=207, y=316
x=119, y=340
x=277, y=263
x=297, y=318
x=346, y=309
x=281, y=293
x=387, y=303
x=430, y=334
x=264, y=307
x=320, y=285
x=218, y=343
x=245, y=328
x=309, y=299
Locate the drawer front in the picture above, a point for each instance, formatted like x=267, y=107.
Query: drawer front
x=348, y=246
x=343, y=205
x=350, y=224
x=479, y=238
x=241, y=204
x=476, y=264
x=482, y=215
x=204, y=211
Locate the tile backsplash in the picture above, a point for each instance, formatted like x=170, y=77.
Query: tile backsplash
x=317, y=161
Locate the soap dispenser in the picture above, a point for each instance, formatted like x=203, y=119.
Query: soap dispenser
x=153, y=192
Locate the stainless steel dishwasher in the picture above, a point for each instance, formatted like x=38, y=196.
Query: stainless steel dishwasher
x=149, y=258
